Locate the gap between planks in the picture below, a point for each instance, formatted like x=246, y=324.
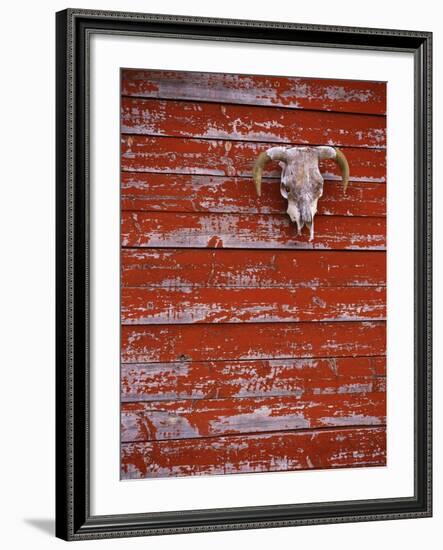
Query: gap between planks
x=331, y=178
x=124, y=401
x=230, y=139
x=301, y=358
x=271, y=214
x=224, y=323
x=218, y=250
x=264, y=432
x=250, y=104
x=237, y=287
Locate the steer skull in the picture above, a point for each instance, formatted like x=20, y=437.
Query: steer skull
x=301, y=182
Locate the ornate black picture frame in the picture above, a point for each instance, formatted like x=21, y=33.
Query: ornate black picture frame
x=74, y=520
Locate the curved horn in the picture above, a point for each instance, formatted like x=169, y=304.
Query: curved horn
x=257, y=171
x=340, y=159
x=274, y=153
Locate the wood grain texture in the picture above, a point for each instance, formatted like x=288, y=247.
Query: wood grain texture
x=200, y=268
x=195, y=193
x=379, y=366
x=220, y=305
x=232, y=158
x=259, y=378
x=184, y=230
x=277, y=451
x=165, y=343
x=250, y=123
x=354, y=96
x=215, y=417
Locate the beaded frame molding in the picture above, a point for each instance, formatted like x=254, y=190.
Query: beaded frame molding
x=74, y=521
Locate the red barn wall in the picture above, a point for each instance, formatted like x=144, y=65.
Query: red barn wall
x=247, y=348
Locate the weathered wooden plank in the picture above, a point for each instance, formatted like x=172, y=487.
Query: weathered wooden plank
x=252, y=305
x=276, y=231
x=250, y=123
x=232, y=158
x=196, y=268
x=262, y=378
x=379, y=368
x=194, y=193
x=212, y=417
x=277, y=451
x=233, y=341
x=356, y=96
x=379, y=365
x=380, y=384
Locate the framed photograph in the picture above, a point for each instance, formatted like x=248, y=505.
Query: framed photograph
x=243, y=274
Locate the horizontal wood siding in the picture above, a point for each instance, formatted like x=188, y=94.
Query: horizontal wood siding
x=244, y=346
x=257, y=378
x=211, y=417
x=201, y=268
x=348, y=96
x=174, y=155
x=249, y=123
x=274, y=231
x=219, y=194
x=266, y=452
x=227, y=341
x=140, y=306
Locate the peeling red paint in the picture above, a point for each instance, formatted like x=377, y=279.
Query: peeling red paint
x=277, y=451
x=157, y=421
x=143, y=191
x=144, y=153
x=250, y=123
x=219, y=305
x=202, y=268
x=229, y=341
x=245, y=347
x=321, y=94
x=189, y=379
x=273, y=231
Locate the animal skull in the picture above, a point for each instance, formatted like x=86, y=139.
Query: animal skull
x=301, y=182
